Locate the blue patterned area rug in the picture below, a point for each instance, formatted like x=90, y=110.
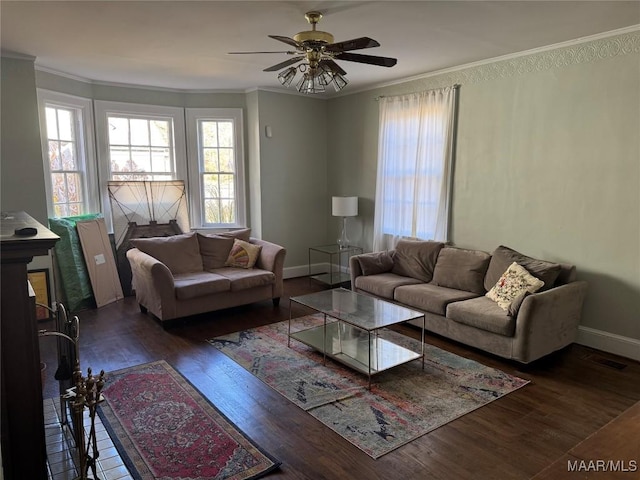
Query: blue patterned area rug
x=404, y=403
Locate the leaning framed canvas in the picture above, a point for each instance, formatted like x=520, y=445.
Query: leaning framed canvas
x=39, y=280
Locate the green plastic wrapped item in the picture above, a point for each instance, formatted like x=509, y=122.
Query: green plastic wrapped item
x=70, y=265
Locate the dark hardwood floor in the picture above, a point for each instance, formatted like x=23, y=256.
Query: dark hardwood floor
x=572, y=394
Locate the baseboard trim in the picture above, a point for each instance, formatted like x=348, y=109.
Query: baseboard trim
x=609, y=342
x=303, y=270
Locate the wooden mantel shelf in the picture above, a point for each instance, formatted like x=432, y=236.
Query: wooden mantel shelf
x=22, y=422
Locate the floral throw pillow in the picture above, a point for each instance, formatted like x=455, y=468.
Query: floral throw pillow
x=513, y=283
x=243, y=254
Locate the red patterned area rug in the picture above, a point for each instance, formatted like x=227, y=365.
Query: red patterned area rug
x=404, y=403
x=165, y=429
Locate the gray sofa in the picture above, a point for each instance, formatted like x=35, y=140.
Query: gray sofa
x=191, y=273
x=450, y=284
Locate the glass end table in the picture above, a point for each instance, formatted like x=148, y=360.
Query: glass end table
x=338, y=263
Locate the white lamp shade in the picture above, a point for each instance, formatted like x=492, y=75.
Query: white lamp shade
x=344, y=206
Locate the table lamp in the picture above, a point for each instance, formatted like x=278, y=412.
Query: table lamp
x=344, y=207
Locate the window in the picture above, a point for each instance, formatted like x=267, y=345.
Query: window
x=216, y=161
x=414, y=167
x=139, y=142
x=140, y=148
x=66, y=126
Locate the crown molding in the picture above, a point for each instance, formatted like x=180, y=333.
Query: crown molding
x=16, y=55
x=622, y=41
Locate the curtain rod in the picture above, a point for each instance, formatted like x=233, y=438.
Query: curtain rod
x=455, y=85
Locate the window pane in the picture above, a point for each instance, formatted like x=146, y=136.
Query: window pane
x=141, y=160
x=160, y=160
x=209, y=134
x=55, y=163
x=52, y=122
x=227, y=211
x=74, y=187
x=226, y=160
x=58, y=188
x=65, y=125
x=211, y=211
x=118, y=131
x=226, y=186
x=139, y=131
x=211, y=160
x=120, y=159
x=68, y=156
x=225, y=132
x=211, y=188
x=74, y=209
x=60, y=210
x=159, y=133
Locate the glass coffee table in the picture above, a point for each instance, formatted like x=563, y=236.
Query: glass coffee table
x=354, y=330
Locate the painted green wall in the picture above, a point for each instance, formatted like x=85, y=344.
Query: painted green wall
x=548, y=163
x=293, y=172
x=21, y=166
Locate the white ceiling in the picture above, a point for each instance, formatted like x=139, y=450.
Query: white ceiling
x=184, y=44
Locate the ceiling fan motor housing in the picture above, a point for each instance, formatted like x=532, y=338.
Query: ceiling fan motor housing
x=315, y=36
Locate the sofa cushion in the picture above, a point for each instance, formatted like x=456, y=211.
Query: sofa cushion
x=242, y=234
x=180, y=253
x=428, y=297
x=416, y=258
x=214, y=250
x=503, y=256
x=198, y=284
x=383, y=284
x=461, y=269
x=243, y=254
x=376, y=262
x=242, y=278
x=513, y=283
x=482, y=313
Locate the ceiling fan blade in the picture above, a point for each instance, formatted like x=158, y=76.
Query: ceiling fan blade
x=355, y=44
x=332, y=66
x=289, y=52
x=286, y=63
x=287, y=40
x=370, y=59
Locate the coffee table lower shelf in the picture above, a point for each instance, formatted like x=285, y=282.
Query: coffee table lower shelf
x=366, y=352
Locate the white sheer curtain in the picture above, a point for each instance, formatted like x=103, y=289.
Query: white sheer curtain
x=415, y=162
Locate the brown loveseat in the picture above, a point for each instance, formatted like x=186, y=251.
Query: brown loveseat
x=192, y=273
x=450, y=285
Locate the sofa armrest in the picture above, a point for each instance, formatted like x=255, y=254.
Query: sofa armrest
x=153, y=283
x=272, y=258
x=355, y=270
x=548, y=321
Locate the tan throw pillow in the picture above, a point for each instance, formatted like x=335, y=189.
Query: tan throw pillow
x=416, y=258
x=214, y=250
x=243, y=254
x=461, y=269
x=513, y=283
x=180, y=253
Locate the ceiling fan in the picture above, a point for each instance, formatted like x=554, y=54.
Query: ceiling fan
x=318, y=52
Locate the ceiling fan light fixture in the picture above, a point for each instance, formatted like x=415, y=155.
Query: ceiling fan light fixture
x=286, y=76
x=310, y=83
x=325, y=77
x=339, y=81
